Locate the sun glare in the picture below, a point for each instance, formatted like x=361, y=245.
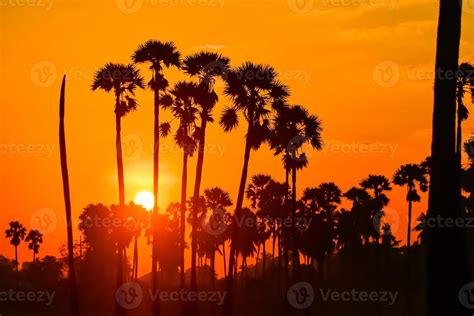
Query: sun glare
x=145, y=199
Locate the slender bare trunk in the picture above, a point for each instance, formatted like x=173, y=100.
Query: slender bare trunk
x=73, y=293
x=184, y=180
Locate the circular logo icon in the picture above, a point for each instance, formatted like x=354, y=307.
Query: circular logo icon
x=129, y=6
x=384, y=217
x=300, y=6
x=44, y=220
x=217, y=222
x=216, y=69
x=387, y=74
x=299, y=148
x=300, y=295
x=43, y=74
x=129, y=295
x=132, y=147
x=466, y=295
x=467, y=6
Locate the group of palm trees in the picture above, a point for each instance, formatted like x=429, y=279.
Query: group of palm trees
x=16, y=232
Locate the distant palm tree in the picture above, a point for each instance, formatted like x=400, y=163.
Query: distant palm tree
x=16, y=232
x=185, y=109
x=34, y=239
x=159, y=55
x=421, y=228
x=206, y=66
x=123, y=80
x=411, y=175
x=378, y=184
x=253, y=90
x=73, y=293
x=464, y=84
x=293, y=128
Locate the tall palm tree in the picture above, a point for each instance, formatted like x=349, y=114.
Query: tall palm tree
x=159, y=55
x=16, y=232
x=464, y=84
x=185, y=109
x=253, y=90
x=73, y=293
x=411, y=175
x=34, y=240
x=293, y=128
x=123, y=80
x=447, y=266
x=205, y=66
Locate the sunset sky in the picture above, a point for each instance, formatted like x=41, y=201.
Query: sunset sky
x=364, y=67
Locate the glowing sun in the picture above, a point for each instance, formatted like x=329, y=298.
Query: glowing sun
x=145, y=199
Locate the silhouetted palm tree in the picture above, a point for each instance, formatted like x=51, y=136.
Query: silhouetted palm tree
x=411, y=175
x=447, y=262
x=293, y=128
x=16, y=232
x=206, y=66
x=123, y=80
x=185, y=109
x=159, y=55
x=34, y=240
x=253, y=89
x=464, y=84
x=73, y=293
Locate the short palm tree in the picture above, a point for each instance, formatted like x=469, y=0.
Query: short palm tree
x=185, y=109
x=159, y=55
x=411, y=175
x=255, y=91
x=464, y=84
x=34, y=239
x=16, y=232
x=206, y=66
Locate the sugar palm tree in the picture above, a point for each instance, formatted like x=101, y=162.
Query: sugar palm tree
x=123, y=80
x=206, y=66
x=73, y=293
x=34, y=240
x=254, y=91
x=447, y=261
x=293, y=128
x=159, y=55
x=464, y=84
x=413, y=176
x=377, y=185
x=185, y=109
x=16, y=232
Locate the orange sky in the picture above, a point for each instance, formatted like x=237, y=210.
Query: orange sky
x=363, y=66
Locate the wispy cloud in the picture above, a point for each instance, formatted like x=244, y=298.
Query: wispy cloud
x=209, y=46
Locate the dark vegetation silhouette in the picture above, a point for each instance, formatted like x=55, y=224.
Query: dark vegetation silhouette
x=334, y=238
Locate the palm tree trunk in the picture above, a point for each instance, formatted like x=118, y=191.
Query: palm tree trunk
x=74, y=303
x=223, y=255
x=197, y=186
x=16, y=258
x=447, y=267
x=156, y=148
x=459, y=130
x=135, y=259
x=263, y=259
x=184, y=180
x=118, y=144
x=285, y=229
x=227, y=309
x=410, y=204
x=256, y=260
x=296, y=261
x=213, y=269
